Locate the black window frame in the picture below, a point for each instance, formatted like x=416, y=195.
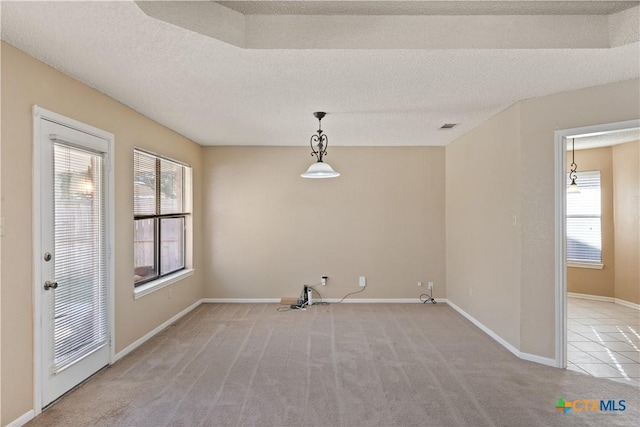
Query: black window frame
x=158, y=216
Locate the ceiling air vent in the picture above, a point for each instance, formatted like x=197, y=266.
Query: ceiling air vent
x=448, y=126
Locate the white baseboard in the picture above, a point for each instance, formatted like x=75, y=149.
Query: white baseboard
x=538, y=359
x=604, y=299
x=137, y=343
x=590, y=297
x=486, y=330
x=23, y=419
x=627, y=303
x=331, y=300
x=240, y=300
x=380, y=300
x=522, y=355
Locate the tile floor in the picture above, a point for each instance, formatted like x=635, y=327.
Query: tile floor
x=603, y=340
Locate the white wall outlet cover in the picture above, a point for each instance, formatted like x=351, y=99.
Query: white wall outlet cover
x=419, y=283
x=363, y=281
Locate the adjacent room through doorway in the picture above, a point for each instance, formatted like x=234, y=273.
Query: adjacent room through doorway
x=602, y=241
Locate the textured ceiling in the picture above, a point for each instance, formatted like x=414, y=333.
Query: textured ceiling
x=354, y=31
x=604, y=140
x=219, y=94
x=427, y=7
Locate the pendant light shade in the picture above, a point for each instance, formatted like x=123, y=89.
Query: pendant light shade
x=320, y=170
x=573, y=188
x=319, y=144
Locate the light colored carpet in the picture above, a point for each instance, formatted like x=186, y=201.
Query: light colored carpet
x=335, y=365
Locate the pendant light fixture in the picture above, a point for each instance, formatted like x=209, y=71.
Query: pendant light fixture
x=319, y=145
x=573, y=187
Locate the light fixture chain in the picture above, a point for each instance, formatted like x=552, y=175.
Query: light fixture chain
x=574, y=166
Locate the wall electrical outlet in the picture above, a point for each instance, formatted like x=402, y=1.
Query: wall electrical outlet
x=430, y=286
x=363, y=281
x=419, y=284
x=323, y=280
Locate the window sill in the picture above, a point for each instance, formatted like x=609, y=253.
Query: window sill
x=592, y=265
x=165, y=281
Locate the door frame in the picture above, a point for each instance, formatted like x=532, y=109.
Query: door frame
x=39, y=114
x=561, y=225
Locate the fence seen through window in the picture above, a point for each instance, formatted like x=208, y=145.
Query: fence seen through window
x=160, y=212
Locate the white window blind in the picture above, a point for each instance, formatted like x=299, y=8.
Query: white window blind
x=584, y=229
x=144, y=184
x=80, y=324
x=160, y=211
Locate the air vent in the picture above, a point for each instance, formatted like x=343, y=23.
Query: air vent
x=448, y=126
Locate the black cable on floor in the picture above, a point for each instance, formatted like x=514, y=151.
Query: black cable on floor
x=321, y=302
x=427, y=298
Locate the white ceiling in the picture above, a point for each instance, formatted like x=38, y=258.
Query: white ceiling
x=606, y=139
x=217, y=93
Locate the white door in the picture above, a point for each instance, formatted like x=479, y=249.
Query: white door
x=75, y=341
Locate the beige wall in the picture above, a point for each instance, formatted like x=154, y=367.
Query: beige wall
x=540, y=117
x=269, y=231
x=483, y=244
x=532, y=163
x=26, y=82
x=588, y=280
x=267, y=234
x=626, y=172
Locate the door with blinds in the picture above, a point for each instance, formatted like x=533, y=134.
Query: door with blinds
x=75, y=341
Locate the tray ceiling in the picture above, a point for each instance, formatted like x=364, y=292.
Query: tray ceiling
x=216, y=92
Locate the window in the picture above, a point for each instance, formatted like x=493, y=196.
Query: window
x=161, y=208
x=584, y=239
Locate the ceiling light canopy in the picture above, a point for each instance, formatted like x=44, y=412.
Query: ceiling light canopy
x=319, y=145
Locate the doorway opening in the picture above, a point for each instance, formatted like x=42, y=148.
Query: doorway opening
x=597, y=240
